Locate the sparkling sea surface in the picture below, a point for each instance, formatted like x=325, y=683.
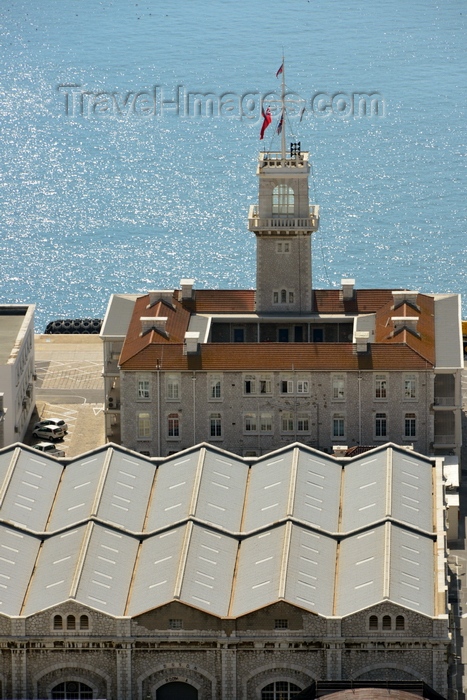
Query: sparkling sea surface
x=123, y=195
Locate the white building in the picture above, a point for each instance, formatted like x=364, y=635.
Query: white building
x=17, y=399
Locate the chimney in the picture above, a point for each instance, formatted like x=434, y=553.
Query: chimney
x=191, y=342
x=165, y=295
x=408, y=323
x=157, y=323
x=347, y=289
x=404, y=296
x=362, y=339
x=187, y=289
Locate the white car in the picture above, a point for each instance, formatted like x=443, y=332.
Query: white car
x=59, y=422
x=51, y=433
x=49, y=448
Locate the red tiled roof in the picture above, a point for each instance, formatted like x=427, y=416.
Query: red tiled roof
x=330, y=301
x=222, y=301
x=390, y=351
x=424, y=341
x=276, y=356
x=177, y=324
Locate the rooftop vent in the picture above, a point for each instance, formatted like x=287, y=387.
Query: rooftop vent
x=187, y=289
x=362, y=338
x=191, y=342
x=404, y=296
x=165, y=295
x=158, y=323
x=408, y=323
x=347, y=289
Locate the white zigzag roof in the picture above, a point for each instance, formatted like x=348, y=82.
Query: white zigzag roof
x=124, y=534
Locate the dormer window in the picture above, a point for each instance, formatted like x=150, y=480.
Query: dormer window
x=283, y=200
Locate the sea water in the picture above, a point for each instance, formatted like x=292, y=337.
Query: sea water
x=112, y=181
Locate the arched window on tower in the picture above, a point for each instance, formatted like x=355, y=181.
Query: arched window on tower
x=283, y=200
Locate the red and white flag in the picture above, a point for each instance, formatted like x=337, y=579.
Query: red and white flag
x=267, y=119
x=281, y=69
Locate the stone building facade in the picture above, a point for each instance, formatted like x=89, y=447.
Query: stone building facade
x=122, y=659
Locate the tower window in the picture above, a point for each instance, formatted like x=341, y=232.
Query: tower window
x=283, y=200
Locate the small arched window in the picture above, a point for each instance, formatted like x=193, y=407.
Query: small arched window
x=373, y=622
x=58, y=622
x=70, y=622
x=387, y=622
x=84, y=622
x=283, y=200
x=400, y=622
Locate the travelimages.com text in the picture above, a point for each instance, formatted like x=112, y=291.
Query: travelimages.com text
x=162, y=102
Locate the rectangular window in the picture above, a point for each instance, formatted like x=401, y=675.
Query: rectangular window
x=266, y=423
x=144, y=426
x=381, y=387
x=249, y=384
x=239, y=335
x=281, y=624
x=380, y=425
x=338, y=425
x=215, y=424
x=303, y=386
x=173, y=426
x=265, y=384
x=255, y=385
x=275, y=297
x=286, y=386
x=410, y=387
x=287, y=422
x=175, y=624
x=249, y=423
x=303, y=423
x=215, y=387
x=410, y=425
x=173, y=387
x=338, y=387
x=143, y=388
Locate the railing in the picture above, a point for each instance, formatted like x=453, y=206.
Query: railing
x=274, y=159
x=285, y=221
x=445, y=439
x=445, y=401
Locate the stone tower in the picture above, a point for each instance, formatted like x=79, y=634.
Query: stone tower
x=283, y=222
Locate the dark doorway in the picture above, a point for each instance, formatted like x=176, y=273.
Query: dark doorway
x=177, y=691
x=298, y=334
x=283, y=335
x=318, y=335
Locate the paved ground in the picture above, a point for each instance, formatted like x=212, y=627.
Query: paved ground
x=69, y=385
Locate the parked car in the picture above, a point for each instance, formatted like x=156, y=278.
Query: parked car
x=51, y=433
x=59, y=422
x=49, y=448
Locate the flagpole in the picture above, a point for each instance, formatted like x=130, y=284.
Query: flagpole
x=283, y=110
